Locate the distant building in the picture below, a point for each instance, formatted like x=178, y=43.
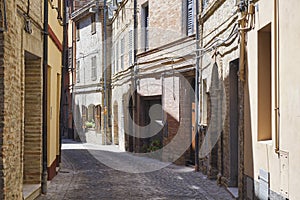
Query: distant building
x=158, y=68
x=88, y=90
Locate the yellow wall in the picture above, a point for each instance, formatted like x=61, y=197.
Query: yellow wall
x=264, y=156
x=55, y=63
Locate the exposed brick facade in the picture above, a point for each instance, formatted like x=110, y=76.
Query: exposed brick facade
x=225, y=162
x=155, y=81
x=20, y=121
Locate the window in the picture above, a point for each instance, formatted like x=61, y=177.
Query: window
x=78, y=71
x=190, y=17
x=130, y=47
x=93, y=23
x=145, y=27
x=113, y=59
x=264, y=84
x=117, y=57
x=77, y=31
x=70, y=57
x=94, y=69
x=122, y=52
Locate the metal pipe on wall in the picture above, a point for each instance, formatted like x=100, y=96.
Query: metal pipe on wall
x=134, y=98
x=198, y=74
x=276, y=67
x=105, y=71
x=45, y=101
x=63, y=104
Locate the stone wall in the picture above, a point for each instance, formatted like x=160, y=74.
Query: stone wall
x=218, y=22
x=13, y=44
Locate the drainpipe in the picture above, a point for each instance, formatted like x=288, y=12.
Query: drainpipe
x=242, y=22
x=198, y=73
x=64, y=70
x=105, y=72
x=276, y=67
x=45, y=91
x=134, y=99
x=73, y=49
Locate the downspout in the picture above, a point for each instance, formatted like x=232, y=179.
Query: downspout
x=45, y=102
x=73, y=49
x=276, y=67
x=198, y=73
x=63, y=88
x=134, y=99
x=105, y=72
x=242, y=22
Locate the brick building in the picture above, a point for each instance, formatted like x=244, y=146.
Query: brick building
x=87, y=46
x=153, y=64
x=221, y=99
x=23, y=129
x=21, y=72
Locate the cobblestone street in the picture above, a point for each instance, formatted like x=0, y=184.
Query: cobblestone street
x=82, y=176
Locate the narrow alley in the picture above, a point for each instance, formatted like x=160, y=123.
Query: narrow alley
x=83, y=176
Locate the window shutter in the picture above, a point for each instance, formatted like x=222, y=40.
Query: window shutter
x=94, y=69
x=78, y=71
x=77, y=31
x=113, y=59
x=122, y=52
x=130, y=47
x=147, y=28
x=93, y=24
x=190, y=18
x=70, y=57
x=117, y=57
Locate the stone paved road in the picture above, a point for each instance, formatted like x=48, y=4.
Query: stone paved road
x=83, y=176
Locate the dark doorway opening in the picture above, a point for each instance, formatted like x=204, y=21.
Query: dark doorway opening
x=234, y=121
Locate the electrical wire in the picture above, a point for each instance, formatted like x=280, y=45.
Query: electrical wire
x=233, y=31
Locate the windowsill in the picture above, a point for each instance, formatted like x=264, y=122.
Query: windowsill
x=268, y=142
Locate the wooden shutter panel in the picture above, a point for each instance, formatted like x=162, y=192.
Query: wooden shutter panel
x=113, y=59
x=130, y=46
x=190, y=19
x=122, y=52
x=117, y=57
x=94, y=69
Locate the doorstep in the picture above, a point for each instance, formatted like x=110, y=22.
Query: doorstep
x=234, y=191
x=31, y=191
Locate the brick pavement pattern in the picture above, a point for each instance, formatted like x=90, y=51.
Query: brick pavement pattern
x=82, y=176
